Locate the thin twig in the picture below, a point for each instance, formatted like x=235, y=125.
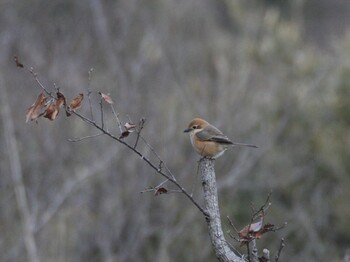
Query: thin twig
x=139, y=129
x=263, y=208
x=78, y=139
x=157, y=156
x=166, y=180
x=89, y=92
x=232, y=225
x=117, y=118
x=102, y=117
x=282, y=245
x=35, y=75
x=261, y=211
x=151, y=164
x=170, y=177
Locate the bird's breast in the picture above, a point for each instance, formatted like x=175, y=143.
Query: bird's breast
x=207, y=148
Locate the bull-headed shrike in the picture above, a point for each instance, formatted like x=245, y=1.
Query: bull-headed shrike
x=209, y=141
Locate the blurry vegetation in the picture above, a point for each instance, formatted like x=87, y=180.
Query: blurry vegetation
x=252, y=68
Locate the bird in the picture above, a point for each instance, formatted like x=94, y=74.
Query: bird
x=209, y=141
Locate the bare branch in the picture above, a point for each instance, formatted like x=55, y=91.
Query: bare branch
x=102, y=117
x=170, y=177
x=222, y=249
x=263, y=208
x=232, y=225
x=282, y=245
x=35, y=75
x=78, y=139
x=254, y=251
x=93, y=169
x=139, y=129
x=117, y=118
x=17, y=179
x=89, y=91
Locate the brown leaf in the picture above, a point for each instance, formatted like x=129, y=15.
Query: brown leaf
x=130, y=127
x=52, y=111
x=106, y=98
x=76, y=102
x=161, y=190
x=34, y=111
x=18, y=63
x=250, y=232
x=251, y=228
x=266, y=228
x=61, y=99
x=254, y=231
x=124, y=134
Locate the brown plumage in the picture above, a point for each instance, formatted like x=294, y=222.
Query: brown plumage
x=207, y=140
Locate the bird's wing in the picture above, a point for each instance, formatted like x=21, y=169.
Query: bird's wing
x=213, y=134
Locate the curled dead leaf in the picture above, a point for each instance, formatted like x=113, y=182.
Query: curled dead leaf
x=251, y=228
x=124, y=134
x=76, y=102
x=255, y=231
x=34, y=111
x=61, y=99
x=130, y=127
x=54, y=107
x=266, y=228
x=52, y=111
x=106, y=98
x=161, y=190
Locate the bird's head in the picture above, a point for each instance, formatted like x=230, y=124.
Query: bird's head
x=196, y=124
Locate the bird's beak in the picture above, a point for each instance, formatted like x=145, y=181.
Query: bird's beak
x=187, y=130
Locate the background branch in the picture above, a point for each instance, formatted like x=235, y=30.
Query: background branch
x=17, y=177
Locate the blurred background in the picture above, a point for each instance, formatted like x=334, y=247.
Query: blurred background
x=272, y=73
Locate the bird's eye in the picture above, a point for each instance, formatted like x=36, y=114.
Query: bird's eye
x=195, y=127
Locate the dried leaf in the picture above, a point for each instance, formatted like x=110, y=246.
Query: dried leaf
x=255, y=231
x=250, y=231
x=130, y=127
x=18, y=63
x=61, y=99
x=34, y=111
x=76, y=102
x=266, y=228
x=52, y=111
x=54, y=107
x=124, y=134
x=106, y=98
x=161, y=190
x=252, y=228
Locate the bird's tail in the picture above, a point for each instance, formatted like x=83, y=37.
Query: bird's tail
x=241, y=144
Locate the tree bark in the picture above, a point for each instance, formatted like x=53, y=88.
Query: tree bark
x=222, y=250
